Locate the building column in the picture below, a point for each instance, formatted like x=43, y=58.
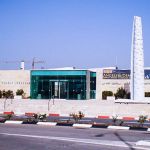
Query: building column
x=88, y=85
x=99, y=77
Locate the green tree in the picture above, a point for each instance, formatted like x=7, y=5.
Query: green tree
x=4, y=94
x=1, y=94
x=20, y=92
x=122, y=93
x=8, y=94
x=147, y=94
x=106, y=93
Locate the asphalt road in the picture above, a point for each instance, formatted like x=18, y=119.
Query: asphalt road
x=34, y=137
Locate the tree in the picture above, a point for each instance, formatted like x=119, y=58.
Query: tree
x=142, y=119
x=20, y=92
x=122, y=93
x=1, y=94
x=106, y=93
x=9, y=94
x=147, y=94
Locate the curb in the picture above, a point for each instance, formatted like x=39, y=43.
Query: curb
x=77, y=125
x=47, y=123
x=119, y=127
x=13, y=122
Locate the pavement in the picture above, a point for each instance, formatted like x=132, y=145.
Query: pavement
x=30, y=137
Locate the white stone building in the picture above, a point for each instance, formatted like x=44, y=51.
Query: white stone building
x=107, y=79
x=14, y=80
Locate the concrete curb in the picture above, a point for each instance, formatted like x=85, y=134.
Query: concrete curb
x=77, y=125
x=125, y=118
x=13, y=122
x=119, y=127
x=47, y=123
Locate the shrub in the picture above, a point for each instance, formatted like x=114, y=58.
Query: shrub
x=77, y=116
x=35, y=116
x=120, y=122
x=8, y=116
x=20, y=92
x=42, y=117
x=106, y=93
x=142, y=119
x=115, y=119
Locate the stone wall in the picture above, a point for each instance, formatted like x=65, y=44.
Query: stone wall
x=91, y=108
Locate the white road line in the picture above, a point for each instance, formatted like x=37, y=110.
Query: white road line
x=85, y=141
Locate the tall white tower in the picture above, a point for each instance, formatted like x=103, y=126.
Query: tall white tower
x=137, y=61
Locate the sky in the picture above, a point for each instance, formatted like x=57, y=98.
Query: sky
x=65, y=33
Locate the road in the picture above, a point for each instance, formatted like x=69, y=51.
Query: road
x=34, y=137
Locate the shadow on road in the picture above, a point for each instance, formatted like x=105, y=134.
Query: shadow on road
x=99, y=135
x=121, y=139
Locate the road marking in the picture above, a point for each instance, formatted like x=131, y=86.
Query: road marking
x=85, y=141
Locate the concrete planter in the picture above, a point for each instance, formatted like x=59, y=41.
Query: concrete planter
x=99, y=125
x=139, y=128
x=64, y=124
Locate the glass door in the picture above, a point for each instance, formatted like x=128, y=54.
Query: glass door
x=58, y=89
x=63, y=90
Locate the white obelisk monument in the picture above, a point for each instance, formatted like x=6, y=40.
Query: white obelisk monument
x=137, y=61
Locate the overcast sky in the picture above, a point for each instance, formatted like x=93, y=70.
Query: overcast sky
x=80, y=33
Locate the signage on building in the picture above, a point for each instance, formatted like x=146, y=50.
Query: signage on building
x=121, y=74
x=116, y=74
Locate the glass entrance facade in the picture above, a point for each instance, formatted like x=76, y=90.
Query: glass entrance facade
x=61, y=84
